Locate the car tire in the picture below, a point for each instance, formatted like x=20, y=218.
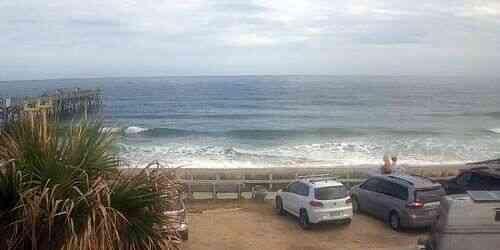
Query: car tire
x=184, y=235
x=304, y=220
x=347, y=221
x=394, y=221
x=356, y=209
x=279, y=206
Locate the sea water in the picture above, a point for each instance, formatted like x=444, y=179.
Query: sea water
x=294, y=121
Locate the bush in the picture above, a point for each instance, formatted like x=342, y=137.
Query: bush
x=60, y=188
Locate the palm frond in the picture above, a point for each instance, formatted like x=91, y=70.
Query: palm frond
x=62, y=190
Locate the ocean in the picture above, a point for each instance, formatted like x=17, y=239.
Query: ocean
x=294, y=121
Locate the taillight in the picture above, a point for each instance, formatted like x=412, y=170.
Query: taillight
x=415, y=205
x=315, y=204
x=348, y=201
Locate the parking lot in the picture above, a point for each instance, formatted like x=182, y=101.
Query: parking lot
x=250, y=225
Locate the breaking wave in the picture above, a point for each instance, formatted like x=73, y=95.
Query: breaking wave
x=494, y=130
x=111, y=130
x=203, y=154
x=134, y=130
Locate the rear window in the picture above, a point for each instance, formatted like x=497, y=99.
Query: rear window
x=429, y=194
x=330, y=193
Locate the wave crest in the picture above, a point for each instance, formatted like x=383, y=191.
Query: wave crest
x=111, y=130
x=494, y=130
x=134, y=130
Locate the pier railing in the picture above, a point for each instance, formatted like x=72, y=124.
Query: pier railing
x=56, y=105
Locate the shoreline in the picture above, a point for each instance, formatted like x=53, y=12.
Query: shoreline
x=437, y=171
x=361, y=167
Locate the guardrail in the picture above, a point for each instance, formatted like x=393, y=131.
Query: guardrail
x=210, y=183
x=240, y=186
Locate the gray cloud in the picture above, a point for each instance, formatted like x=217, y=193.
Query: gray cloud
x=47, y=39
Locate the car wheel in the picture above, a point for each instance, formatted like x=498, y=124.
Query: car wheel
x=184, y=235
x=279, y=206
x=348, y=221
x=394, y=221
x=356, y=209
x=304, y=220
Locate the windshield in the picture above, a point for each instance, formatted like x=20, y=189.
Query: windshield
x=330, y=193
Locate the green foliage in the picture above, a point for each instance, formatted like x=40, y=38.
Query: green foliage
x=61, y=189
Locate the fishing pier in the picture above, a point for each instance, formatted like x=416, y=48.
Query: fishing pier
x=60, y=104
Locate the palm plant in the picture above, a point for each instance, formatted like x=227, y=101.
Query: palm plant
x=61, y=189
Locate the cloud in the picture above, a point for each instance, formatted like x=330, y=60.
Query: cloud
x=182, y=37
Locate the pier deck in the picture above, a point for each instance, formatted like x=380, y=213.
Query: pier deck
x=58, y=104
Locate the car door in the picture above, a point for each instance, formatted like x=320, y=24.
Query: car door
x=290, y=198
x=380, y=198
x=366, y=195
x=302, y=196
x=296, y=203
x=391, y=196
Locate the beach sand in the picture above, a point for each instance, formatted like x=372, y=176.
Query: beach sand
x=245, y=225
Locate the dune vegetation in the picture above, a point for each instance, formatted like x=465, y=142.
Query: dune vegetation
x=60, y=188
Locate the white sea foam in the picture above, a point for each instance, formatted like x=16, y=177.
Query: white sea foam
x=495, y=130
x=134, y=130
x=306, y=155
x=111, y=130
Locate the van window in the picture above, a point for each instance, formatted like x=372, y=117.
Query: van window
x=371, y=185
x=393, y=189
x=292, y=188
x=384, y=187
x=330, y=193
x=302, y=189
x=399, y=191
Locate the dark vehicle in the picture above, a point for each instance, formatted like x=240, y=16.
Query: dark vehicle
x=467, y=222
x=475, y=179
x=402, y=200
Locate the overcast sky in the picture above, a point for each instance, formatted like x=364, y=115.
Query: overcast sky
x=105, y=38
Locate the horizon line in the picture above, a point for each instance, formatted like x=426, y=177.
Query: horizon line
x=242, y=75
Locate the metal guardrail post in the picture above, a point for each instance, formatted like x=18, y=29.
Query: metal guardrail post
x=239, y=192
x=217, y=179
x=190, y=187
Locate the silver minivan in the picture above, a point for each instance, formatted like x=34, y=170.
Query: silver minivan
x=401, y=200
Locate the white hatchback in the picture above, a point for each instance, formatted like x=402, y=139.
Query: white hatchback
x=315, y=199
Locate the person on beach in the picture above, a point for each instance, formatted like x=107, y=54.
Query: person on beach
x=394, y=162
x=395, y=167
x=387, y=167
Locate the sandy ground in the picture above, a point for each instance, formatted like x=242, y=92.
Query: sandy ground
x=249, y=225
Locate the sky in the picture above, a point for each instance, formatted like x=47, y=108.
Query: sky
x=43, y=39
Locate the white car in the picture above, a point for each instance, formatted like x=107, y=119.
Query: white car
x=315, y=199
